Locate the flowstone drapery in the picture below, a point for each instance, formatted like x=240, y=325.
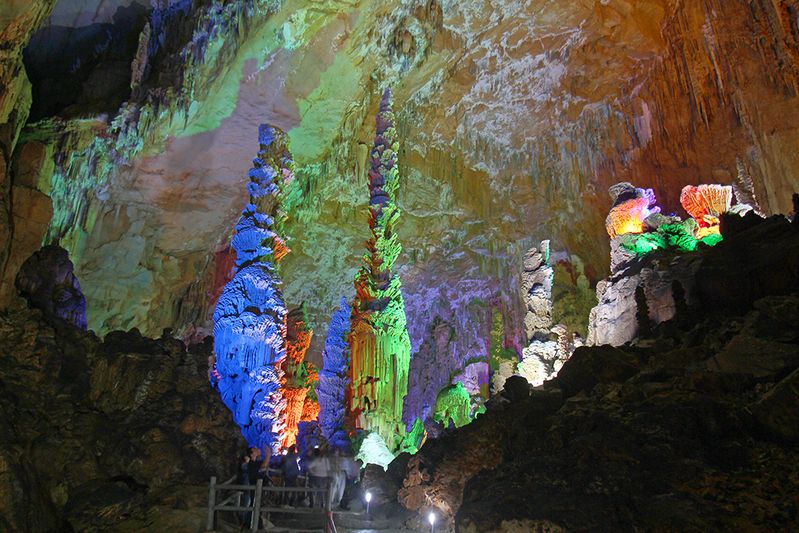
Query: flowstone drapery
x=249, y=319
x=381, y=349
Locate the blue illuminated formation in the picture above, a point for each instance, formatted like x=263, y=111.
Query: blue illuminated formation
x=333, y=379
x=250, y=315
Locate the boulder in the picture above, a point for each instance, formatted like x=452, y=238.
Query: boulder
x=778, y=410
x=47, y=281
x=588, y=367
x=516, y=389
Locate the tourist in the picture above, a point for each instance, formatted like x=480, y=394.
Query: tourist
x=247, y=474
x=338, y=478
x=291, y=472
x=318, y=469
x=352, y=469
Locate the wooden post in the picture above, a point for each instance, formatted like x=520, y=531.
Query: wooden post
x=256, y=506
x=330, y=524
x=329, y=497
x=211, y=504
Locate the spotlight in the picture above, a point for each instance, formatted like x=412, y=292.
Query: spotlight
x=432, y=519
x=368, y=498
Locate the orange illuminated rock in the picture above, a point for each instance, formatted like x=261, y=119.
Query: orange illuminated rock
x=627, y=217
x=281, y=250
x=706, y=203
x=298, y=374
x=295, y=400
x=310, y=410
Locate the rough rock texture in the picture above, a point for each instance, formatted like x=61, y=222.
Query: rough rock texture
x=380, y=349
x=514, y=116
x=639, y=296
x=18, y=20
x=693, y=430
x=334, y=380
x=651, y=289
x=250, y=315
x=543, y=356
x=120, y=435
x=536, y=286
x=299, y=376
x=47, y=281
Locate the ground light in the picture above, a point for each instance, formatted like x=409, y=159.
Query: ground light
x=368, y=498
x=432, y=519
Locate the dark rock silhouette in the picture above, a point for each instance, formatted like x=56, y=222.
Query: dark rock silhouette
x=697, y=419
x=46, y=280
x=120, y=434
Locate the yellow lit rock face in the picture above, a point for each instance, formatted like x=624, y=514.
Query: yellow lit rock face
x=514, y=118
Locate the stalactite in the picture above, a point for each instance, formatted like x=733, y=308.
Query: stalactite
x=379, y=337
x=249, y=318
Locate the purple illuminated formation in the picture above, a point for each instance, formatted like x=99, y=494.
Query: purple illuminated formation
x=333, y=379
x=46, y=280
x=249, y=318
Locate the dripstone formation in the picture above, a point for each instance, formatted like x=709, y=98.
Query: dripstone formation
x=249, y=319
x=380, y=346
x=692, y=430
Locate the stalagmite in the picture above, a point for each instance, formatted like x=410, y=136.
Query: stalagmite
x=379, y=339
x=249, y=319
x=549, y=347
x=334, y=380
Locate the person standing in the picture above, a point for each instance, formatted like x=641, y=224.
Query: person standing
x=291, y=472
x=338, y=478
x=318, y=469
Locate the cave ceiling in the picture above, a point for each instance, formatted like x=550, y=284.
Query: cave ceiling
x=514, y=117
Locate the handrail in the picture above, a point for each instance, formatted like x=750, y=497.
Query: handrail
x=256, y=508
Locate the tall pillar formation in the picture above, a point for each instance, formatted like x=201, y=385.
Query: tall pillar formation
x=381, y=348
x=250, y=315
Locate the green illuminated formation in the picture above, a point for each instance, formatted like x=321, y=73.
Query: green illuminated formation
x=453, y=404
x=415, y=438
x=381, y=348
x=677, y=236
x=503, y=361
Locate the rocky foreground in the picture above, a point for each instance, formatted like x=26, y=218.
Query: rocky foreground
x=115, y=435
x=695, y=428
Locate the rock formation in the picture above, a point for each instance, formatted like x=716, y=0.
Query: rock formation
x=536, y=287
x=652, y=270
x=47, y=281
x=657, y=92
x=631, y=207
x=549, y=347
x=120, y=434
x=453, y=406
x=334, y=379
x=298, y=375
x=249, y=319
x=380, y=346
x=431, y=370
x=696, y=420
x=18, y=200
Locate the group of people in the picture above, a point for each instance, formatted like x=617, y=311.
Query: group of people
x=319, y=467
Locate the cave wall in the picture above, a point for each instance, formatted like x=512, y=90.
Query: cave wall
x=514, y=118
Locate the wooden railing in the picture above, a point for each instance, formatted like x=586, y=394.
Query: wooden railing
x=232, y=503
